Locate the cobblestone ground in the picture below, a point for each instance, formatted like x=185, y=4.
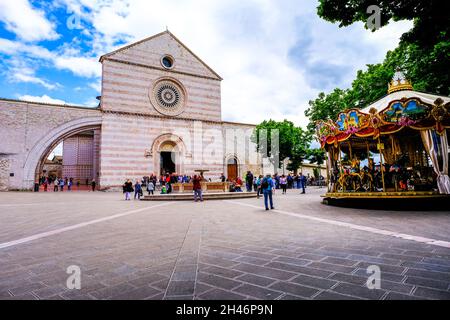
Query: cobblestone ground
x=217, y=249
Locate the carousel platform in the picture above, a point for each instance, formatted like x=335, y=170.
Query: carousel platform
x=406, y=200
x=206, y=196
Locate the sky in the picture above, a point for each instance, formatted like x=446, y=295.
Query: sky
x=274, y=55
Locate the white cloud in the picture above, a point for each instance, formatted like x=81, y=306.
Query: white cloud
x=65, y=59
x=250, y=44
x=44, y=99
x=97, y=86
x=28, y=23
x=19, y=72
x=80, y=66
x=23, y=77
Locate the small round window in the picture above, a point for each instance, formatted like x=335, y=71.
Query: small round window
x=167, y=62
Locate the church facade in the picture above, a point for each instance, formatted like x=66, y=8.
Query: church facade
x=159, y=112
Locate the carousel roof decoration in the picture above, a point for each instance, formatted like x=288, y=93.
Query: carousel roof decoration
x=399, y=82
x=401, y=108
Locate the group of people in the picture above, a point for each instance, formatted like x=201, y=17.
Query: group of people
x=165, y=182
x=263, y=185
x=284, y=182
x=60, y=183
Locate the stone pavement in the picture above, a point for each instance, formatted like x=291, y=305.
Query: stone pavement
x=216, y=249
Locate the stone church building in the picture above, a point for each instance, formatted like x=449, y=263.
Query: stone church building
x=159, y=112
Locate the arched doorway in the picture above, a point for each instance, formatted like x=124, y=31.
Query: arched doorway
x=75, y=159
x=37, y=156
x=168, y=158
x=232, y=169
x=168, y=153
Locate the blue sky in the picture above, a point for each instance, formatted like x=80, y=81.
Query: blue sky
x=274, y=56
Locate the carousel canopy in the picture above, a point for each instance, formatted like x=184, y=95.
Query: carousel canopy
x=401, y=108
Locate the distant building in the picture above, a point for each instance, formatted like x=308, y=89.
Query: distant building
x=53, y=168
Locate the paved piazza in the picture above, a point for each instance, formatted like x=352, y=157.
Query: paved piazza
x=217, y=249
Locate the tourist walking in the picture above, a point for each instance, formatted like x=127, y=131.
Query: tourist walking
x=267, y=187
x=283, y=183
x=93, y=185
x=69, y=184
x=127, y=189
x=61, y=185
x=55, y=185
x=197, y=188
x=137, y=190
x=45, y=185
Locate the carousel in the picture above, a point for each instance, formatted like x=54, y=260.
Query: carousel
x=397, y=147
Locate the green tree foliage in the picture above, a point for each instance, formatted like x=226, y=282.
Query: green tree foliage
x=423, y=53
x=431, y=19
x=316, y=156
x=293, y=142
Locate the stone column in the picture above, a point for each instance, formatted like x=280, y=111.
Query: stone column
x=96, y=153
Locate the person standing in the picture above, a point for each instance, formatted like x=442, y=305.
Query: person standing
x=283, y=183
x=137, y=190
x=55, y=185
x=61, y=184
x=302, y=179
x=45, y=185
x=127, y=189
x=197, y=188
x=258, y=186
x=69, y=184
x=249, y=181
x=267, y=187
x=150, y=187
x=93, y=185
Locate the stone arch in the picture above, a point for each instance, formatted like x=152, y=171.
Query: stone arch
x=47, y=143
x=227, y=160
x=177, y=145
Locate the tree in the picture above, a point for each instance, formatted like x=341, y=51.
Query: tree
x=431, y=19
x=293, y=142
x=326, y=106
x=423, y=53
x=316, y=156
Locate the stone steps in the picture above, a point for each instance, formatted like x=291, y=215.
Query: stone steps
x=206, y=196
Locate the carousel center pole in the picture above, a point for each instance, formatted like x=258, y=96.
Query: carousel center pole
x=381, y=147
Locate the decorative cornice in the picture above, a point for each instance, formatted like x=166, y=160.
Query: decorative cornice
x=157, y=116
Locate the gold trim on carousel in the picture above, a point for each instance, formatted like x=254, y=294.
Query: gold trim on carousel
x=385, y=195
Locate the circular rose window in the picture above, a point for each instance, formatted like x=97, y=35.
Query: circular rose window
x=168, y=97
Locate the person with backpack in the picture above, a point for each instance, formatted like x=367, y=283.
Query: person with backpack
x=137, y=190
x=267, y=186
